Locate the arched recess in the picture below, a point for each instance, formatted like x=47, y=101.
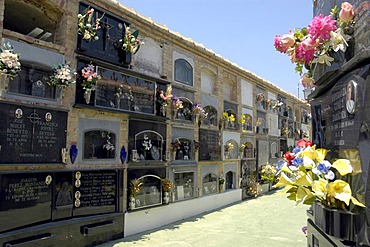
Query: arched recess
x=149, y=145
x=183, y=72
x=150, y=193
x=231, y=149
x=211, y=119
x=186, y=112
x=230, y=178
x=248, y=151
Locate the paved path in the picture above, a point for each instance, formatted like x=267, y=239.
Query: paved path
x=269, y=220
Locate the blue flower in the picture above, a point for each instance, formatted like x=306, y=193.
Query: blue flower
x=296, y=150
x=298, y=161
x=330, y=175
x=280, y=164
x=322, y=168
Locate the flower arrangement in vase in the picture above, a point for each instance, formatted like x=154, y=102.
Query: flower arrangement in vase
x=199, y=113
x=164, y=98
x=260, y=97
x=135, y=189
x=307, y=177
x=167, y=185
x=130, y=42
x=62, y=76
x=318, y=42
x=87, y=27
x=9, y=61
x=268, y=173
x=89, y=80
x=176, y=105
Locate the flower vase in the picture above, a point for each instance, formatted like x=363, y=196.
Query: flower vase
x=173, y=155
x=175, y=113
x=196, y=118
x=128, y=58
x=4, y=84
x=341, y=224
x=132, y=203
x=163, y=110
x=87, y=95
x=166, y=197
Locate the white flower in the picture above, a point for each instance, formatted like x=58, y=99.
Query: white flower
x=323, y=59
x=338, y=40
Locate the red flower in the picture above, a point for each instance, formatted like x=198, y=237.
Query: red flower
x=309, y=144
x=302, y=143
x=289, y=157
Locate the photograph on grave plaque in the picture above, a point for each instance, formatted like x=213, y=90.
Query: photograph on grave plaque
x=97, y=192
x=26, y=136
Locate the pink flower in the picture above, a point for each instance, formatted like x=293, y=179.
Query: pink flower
x=307, y=81
x=283, y=43
x=347, y=13
x=305, y=52
x=320, y=27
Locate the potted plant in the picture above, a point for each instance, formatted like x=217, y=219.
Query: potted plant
x=176, y=105
x=167, y=185
x=135, y=188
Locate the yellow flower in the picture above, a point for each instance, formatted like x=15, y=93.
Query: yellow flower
x=303, y=179
x=340, y=190
x=232, y=118
x=319, y=187
x=304, y=195
x=343, y=166
x=284, y=180
x=309, y=152
x=321, y=154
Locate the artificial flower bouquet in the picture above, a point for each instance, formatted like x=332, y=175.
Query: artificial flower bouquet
x=167, y=184
x=135, y=187
x=87, y=27
x=165, y=97
x=268, y=173
x=62, y=76
x=316, y=43
x=9, y=61
x=89, y=77
x=176, y=103
x=198, y=110
x=307, y=176
x=130, y=42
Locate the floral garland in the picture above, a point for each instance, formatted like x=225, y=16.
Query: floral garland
x=9, y=61
x=130, y=42
x=89, y=77
x=317, y=43
x=62, y=76
x=86, y=27
x=307, y=176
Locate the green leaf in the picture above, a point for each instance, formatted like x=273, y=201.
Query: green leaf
x=135, y=34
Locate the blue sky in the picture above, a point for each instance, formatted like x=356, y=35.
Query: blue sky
x=241, y=31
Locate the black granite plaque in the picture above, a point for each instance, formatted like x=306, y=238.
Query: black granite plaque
x=95, y=192
x=25, y=198
x=111, y=31
x=31, y=135
x=209, y=145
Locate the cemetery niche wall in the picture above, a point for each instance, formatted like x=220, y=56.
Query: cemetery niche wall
x=340, y=115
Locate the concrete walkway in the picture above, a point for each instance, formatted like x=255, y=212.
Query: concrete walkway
x=269, y=220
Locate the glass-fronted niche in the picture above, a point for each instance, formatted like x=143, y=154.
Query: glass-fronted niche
x=36, y=68
x=99, y=144
x=149, y=192
x=120, y=91
x=147, y=141
x=209, y=145
x=184, y=185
